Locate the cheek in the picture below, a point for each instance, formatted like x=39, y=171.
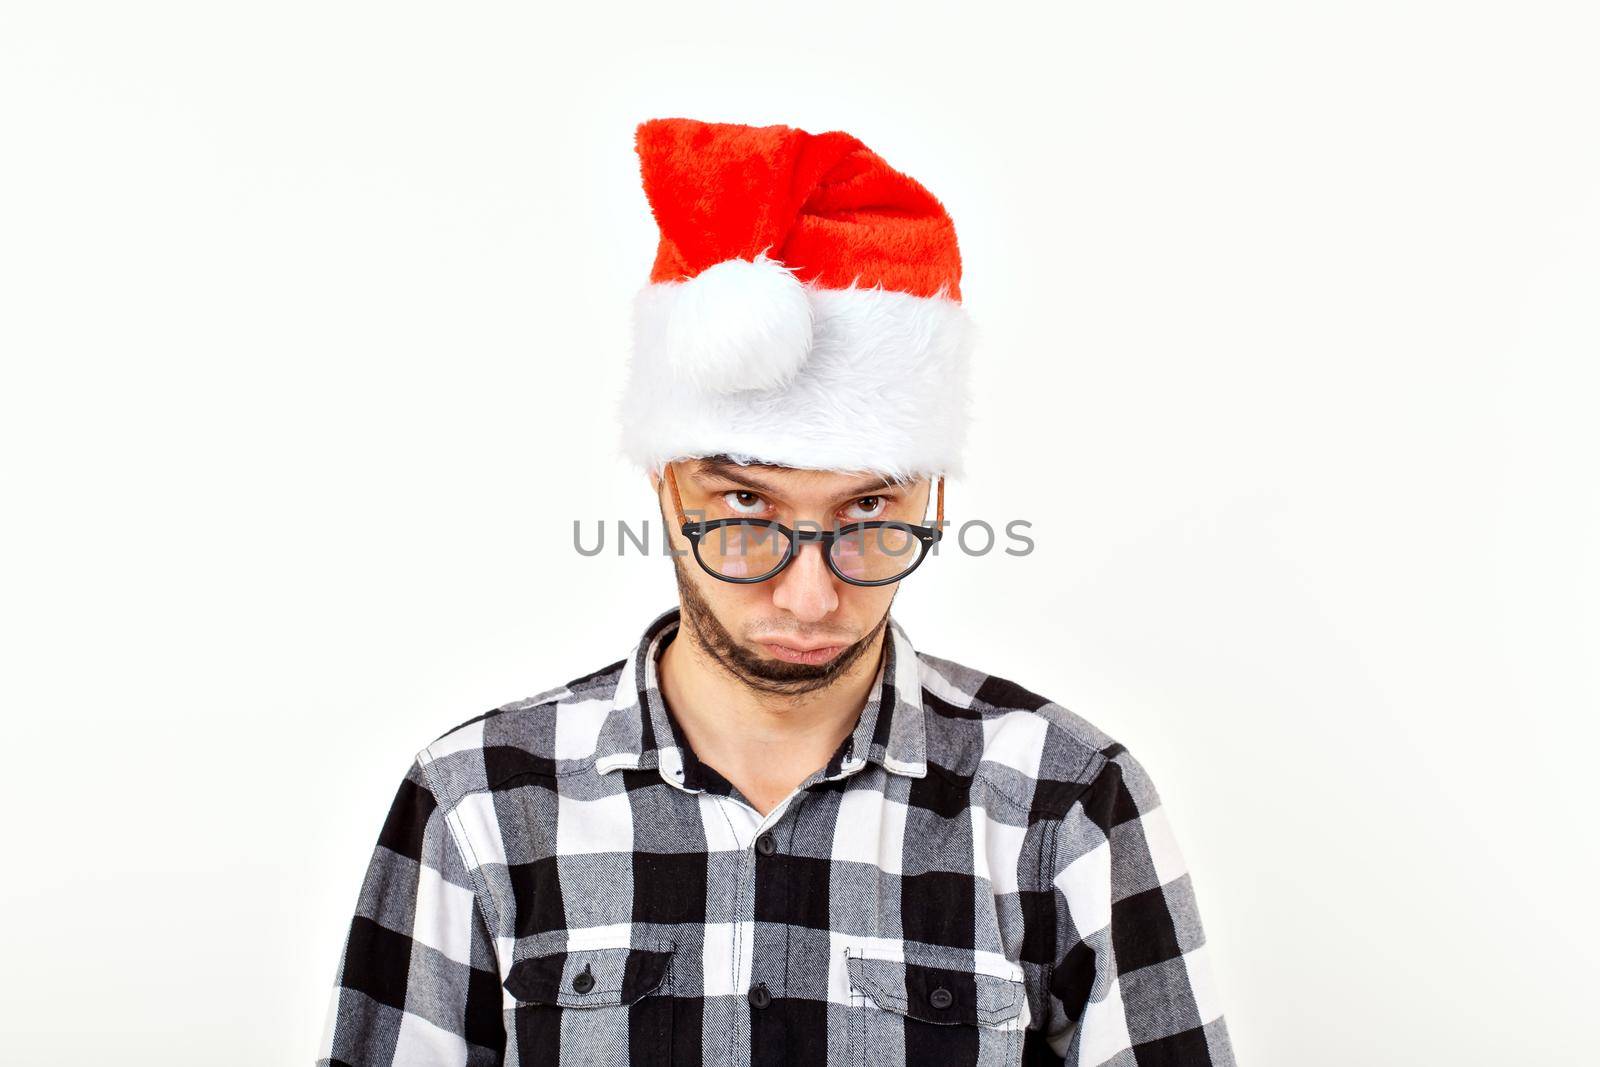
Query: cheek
x=864, y=605
x=731, y=602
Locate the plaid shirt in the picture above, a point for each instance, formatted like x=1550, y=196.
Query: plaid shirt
x=976, y=876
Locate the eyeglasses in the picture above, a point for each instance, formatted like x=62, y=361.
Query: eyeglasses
x=879, y=552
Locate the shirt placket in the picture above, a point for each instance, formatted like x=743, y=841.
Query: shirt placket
x=766, y=882
x=775, y=882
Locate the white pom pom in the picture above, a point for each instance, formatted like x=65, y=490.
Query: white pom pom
x=739, y=324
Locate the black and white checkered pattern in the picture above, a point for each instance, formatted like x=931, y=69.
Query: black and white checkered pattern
x=976, y=876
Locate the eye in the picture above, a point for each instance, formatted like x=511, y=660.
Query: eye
x=878, y=504
x=743, y=502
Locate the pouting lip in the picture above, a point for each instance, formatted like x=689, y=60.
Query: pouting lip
x=799, y=648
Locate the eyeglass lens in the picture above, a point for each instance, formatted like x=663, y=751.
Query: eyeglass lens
x=873, y=554
x=743, y=551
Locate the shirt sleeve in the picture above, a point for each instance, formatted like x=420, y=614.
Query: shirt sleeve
x=418, y=981
x=1130, y=983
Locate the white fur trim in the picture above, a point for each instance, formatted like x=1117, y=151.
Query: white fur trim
x=739, y=324
x=883, y=389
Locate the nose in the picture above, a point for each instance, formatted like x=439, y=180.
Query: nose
x=806, y=587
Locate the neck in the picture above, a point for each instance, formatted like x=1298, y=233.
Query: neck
x=766, y=743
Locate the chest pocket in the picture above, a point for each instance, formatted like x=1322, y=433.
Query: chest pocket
x=593, y=1005
x=934, y=1010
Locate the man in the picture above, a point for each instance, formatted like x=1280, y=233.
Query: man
x=774, y=832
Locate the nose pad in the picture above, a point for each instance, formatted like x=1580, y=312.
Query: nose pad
x=811, y=561
x=806, y=587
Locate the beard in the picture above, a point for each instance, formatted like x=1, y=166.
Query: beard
x=757, y=672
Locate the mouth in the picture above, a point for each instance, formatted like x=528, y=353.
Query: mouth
x=797, y=654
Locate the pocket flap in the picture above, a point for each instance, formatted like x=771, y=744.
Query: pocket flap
x=947, y=994
x=590, y=977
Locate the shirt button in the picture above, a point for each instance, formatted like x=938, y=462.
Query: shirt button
x=759, y=997
x=940, y=998
x=766, y=845
x=583, y=982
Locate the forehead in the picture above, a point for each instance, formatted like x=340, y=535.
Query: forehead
x=788, y=480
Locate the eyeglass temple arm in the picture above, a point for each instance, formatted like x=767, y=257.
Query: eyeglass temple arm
x=677, y=501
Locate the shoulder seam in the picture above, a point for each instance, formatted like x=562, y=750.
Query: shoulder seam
x=976, y=702
x=463, y=844
x=540, y=699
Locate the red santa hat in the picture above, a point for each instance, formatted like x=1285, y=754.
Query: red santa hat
x=804, y=307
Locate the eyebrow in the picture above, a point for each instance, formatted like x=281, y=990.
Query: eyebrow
x=735, y=472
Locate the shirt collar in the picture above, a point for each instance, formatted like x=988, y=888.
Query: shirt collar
x=638, y=733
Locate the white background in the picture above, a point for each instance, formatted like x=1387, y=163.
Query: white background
x=313, y=319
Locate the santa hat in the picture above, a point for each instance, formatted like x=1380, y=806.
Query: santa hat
x=804, y=308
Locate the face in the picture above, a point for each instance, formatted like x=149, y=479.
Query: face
x=800, y=630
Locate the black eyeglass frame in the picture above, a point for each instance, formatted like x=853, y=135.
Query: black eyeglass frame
x=797, y=539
